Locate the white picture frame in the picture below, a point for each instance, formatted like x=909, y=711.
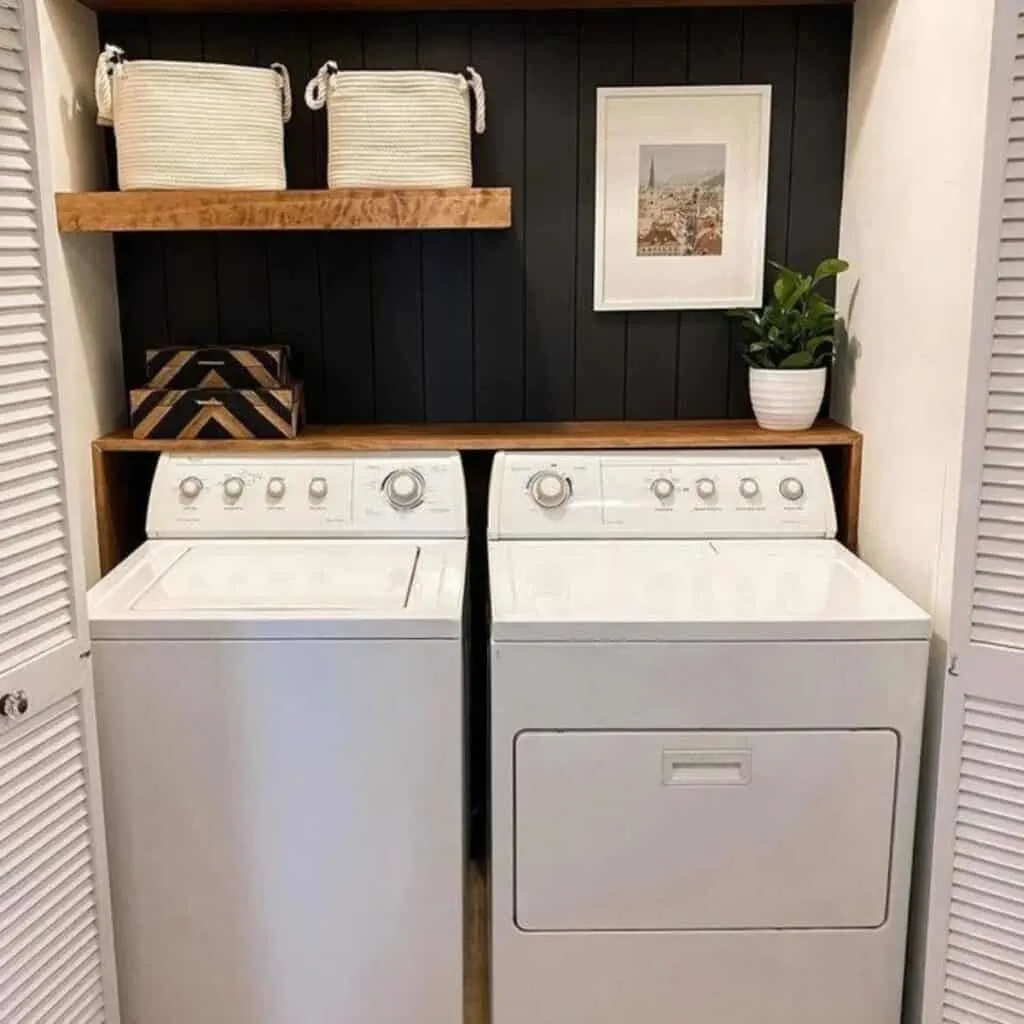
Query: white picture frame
x=705, y=251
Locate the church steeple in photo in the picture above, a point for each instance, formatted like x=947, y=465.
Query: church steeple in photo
x=650, y=175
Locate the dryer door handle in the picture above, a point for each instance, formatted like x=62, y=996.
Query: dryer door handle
x=705, y=767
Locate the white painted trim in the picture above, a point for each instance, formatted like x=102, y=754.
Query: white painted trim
x=604, y=94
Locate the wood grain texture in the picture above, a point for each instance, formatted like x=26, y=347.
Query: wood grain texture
x=252, y=6
x=292, y=210
x=575, y=435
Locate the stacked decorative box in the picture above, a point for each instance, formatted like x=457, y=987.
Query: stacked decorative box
x=235, y=392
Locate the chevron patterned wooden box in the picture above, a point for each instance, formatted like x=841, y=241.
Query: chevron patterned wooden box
x=231, y=366
x=216, y=413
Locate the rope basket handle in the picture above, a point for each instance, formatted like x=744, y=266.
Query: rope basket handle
x=286, y=91
x=473, y=81
x=109, y=64
x=316, y=88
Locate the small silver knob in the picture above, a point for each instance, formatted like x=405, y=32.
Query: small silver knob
x=14, y=705
x=233, y=488
x=706, y=488
x=190, y=488
x=318, y=488
x=549, y=489
x=275, y=488
x=404, y=488
x=749, y=487
x=791, y=489
x=663, y=488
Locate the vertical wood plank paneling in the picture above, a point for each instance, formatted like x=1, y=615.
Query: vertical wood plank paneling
x=660, y=43
x=490, y=325
x=703, y=367
x=292, y=257
x=447, y=271
x=498, y=256
x=552, y=78
x=606, y=58
x=769, y=58
x=346, y=284
x=389, y=43
x=139, y=258
x=189, y=257
x=242, y=278
x=819, y=132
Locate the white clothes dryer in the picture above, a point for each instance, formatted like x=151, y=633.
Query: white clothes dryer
x=279, y=681
x=705, y=733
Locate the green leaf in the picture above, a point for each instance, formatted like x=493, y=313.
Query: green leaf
x=797, y=361
x=829, y=268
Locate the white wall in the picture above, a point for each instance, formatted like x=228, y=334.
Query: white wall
x=82, y=284
x=915, y=144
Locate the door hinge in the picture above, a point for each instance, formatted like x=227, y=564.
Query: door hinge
x=954, y=666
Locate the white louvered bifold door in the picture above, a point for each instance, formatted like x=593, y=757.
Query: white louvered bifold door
x=974, y=965
x=56, y=947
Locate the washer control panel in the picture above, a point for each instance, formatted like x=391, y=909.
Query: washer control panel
x=307, y=495
x=748, y=493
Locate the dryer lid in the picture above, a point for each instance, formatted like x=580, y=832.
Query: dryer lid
x=693, y=590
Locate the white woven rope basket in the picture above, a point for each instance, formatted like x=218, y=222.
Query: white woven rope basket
x=187, y=125
x=398, y=128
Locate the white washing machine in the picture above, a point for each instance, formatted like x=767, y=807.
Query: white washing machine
x=706, y=725
x=279, y=680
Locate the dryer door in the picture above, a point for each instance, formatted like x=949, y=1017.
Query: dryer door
x=652, y=831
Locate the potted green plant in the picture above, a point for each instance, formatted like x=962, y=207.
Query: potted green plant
x=789, y=347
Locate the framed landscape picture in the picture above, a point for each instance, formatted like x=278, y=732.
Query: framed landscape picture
x=682, y=190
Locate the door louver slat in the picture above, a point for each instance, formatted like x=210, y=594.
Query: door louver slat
x=984, y=968
x=50, y=966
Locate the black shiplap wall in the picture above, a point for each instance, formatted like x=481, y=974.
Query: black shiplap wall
x=492, y=326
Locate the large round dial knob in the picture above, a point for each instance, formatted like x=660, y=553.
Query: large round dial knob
x=404, y=488
x=549, y=489
x=663, y=488
x=276, y=488
x=318, y=488
x=705, y=488
x=791, y=489
x=749, y=488
x=233, y=488
x=190, y=488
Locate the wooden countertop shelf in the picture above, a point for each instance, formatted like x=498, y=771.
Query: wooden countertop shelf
x=123, y=466
x=255, y=6
x=350, y=209
x=493, y=436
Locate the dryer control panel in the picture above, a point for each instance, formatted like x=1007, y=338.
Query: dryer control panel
x=748, y=493
x=413, y=495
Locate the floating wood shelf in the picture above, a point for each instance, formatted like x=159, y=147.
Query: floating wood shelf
x=254, y=6
x=354, y=209
x=494, y=436
x=123, y=466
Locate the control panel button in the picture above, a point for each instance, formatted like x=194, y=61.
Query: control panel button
x=234, y=486
x=190, y=488
x=706, y=488
x=276, y=488
x=318, y=488
x=791, y=489
x=404, y=488
x=749, y=487
x=663, y=488
x=549, y=489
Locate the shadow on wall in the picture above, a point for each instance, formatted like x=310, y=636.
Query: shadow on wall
x=844, y=374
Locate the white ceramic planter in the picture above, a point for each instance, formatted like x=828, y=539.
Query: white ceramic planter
x=787, y=399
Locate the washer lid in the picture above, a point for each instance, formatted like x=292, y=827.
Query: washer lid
x=693, y=590
x=289, y=575
x=212, y=589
